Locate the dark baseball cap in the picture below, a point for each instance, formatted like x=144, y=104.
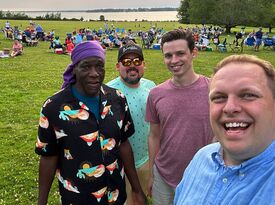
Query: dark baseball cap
x=130, y=48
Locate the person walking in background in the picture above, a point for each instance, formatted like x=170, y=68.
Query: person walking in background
x=131, y=65
x=240, y=168
x=83, y=136
x=178, y=112
x=258, y=37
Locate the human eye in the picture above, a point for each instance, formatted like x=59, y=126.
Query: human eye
x=99, y=66
x=217, y=98
x=249, y=96
x=167, y=55
x=180, y=53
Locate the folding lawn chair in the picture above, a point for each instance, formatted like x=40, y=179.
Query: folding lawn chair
x=236, y=46
x=268, y=43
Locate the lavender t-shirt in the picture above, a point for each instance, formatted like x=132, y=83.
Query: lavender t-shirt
x=183, y=115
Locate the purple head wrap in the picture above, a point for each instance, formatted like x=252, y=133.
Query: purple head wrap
x=80, y=52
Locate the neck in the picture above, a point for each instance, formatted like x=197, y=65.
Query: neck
x=130, y=85
x=185, y=80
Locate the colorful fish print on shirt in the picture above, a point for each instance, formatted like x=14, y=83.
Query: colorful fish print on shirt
x=90, y=138
x=107, y=144
x=88, y=172
x=99, y=194
x=120, y=94
x=69, y=114
x=59, y=134
x=111, y=167
x=43, y=121
x=67, y=154
x=66, y=184
x=112, y=196
x=127, y=126
x=41, y=145
x=122, y=173
x=106, y=109
x=119, y=123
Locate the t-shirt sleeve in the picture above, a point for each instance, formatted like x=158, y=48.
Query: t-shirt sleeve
x=46, y=142
x=151, y=112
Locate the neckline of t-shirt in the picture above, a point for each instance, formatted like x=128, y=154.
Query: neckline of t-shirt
x=185, y=86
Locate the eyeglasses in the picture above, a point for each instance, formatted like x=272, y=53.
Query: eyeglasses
x=128, y=61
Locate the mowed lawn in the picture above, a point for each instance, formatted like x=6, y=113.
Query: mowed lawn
x=27, y=80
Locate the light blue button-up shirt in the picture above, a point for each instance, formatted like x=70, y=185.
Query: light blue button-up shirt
x=207, y=181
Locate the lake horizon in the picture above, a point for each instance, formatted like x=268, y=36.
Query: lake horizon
x=109, y=16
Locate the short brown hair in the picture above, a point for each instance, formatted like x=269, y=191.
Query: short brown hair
x=244, y=58
x=178, y=34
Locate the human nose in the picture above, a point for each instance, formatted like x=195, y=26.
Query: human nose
x=232, y=105
x=174, y=59
x=93, y=72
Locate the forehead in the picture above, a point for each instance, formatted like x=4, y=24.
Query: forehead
x=174, y=46
x=238, y=75
x=91, y=60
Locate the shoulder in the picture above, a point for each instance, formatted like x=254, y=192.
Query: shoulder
x=54, y=102
x=112, y=93
x=114, y=82
x=147, y=82
x=161, y=87
x=210, y=148
x=204, y=79
x=207, y=151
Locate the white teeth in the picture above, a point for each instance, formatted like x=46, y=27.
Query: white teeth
x=235, y=124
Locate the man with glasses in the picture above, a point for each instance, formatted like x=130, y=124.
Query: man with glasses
x=131, y=66
x=83, y=136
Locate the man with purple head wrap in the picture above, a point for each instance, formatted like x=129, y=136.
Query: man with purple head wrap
x=83, y=136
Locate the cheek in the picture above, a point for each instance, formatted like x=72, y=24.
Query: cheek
x=166, y=61
x=215, y=110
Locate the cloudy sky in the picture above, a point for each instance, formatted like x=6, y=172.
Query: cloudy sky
x=83, y=4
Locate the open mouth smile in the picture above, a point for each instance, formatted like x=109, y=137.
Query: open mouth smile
x=236, y=126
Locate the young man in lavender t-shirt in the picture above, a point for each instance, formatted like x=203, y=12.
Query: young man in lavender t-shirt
x=178, y=112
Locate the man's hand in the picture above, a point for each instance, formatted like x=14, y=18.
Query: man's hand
x=139, y=198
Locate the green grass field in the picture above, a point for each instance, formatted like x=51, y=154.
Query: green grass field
x=27, y=80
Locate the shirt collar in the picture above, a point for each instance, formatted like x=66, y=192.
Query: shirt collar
x=266, y=156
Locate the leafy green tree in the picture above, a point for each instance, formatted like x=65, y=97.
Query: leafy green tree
x=183, y=12
x=228, y=13
x=264, y=14
x=102, y=18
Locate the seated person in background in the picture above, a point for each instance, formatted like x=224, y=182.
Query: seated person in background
x=107, y=43
x=39, y=32
x=17, y=49
x=56, y=43
x=69, y=47
x=240, y=168
x=78, y=38
x=117, y=42
x=68, y=39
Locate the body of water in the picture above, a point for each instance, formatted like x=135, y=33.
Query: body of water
x=116, y=16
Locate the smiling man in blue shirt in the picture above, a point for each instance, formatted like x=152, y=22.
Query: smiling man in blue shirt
x=240, y=169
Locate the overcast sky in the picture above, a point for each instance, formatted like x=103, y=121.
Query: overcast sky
x=83, y=4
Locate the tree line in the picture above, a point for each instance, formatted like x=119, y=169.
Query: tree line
x=23, y=16
x=228, y=13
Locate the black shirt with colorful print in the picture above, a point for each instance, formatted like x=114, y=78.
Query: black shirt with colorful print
x=90, y=170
